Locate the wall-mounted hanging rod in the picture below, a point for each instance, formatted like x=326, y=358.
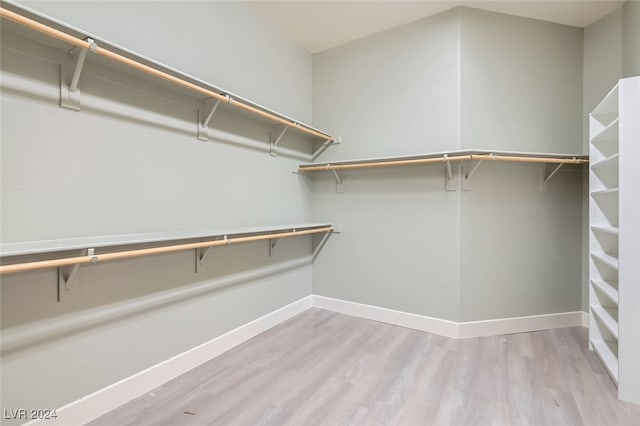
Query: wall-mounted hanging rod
x=362, y=165
x=529, y=159
x=93, y=258
x=87, y=45
x=359, y=164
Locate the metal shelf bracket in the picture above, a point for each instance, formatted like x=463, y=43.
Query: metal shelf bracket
x=450, y=178
x=553, y=172
x=70, y=94
x=466, y=178
x=277, y=132
x=203, y=125
x=202, y=253
x=324, y=145
x=66, y=276
x=272, y=244
x=318, y=242
x=546, y=175
x=339, y=184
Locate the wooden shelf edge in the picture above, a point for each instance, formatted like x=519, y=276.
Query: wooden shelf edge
x=607, y=289
x=609, y=191
x=607, y=259
x=612, y=230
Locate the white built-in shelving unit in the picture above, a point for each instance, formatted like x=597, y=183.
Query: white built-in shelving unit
x=614, y=243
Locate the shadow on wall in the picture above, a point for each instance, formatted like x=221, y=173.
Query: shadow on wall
x=121, y=290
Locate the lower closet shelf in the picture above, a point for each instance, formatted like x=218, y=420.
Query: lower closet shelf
x=608, y=354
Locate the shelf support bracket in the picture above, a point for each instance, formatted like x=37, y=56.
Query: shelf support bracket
x=466, y=178
x=276, y=137
x=326, y=144
x=318, y=243
x=546, y=177
x=450, y=181
x=555, y=170
x=66, y=276
x=203, y=125
x=202, y=253
x=272, y=244
x=339, y=185
x=70, y=95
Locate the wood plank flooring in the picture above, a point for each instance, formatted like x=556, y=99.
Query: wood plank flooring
x=323, y=368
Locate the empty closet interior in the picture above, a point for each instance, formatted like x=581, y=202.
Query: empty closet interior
x=177, y=179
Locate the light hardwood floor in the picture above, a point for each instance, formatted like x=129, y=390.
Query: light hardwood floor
x=323, y=368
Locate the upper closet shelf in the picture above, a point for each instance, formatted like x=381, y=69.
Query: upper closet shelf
x=475, y=156
x=59, y=34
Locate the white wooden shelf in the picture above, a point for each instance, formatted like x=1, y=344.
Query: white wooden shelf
x=607, y=259
x=608, y=354
x=613, y=230
x=611, y=161
x=608, y=134
x=608, y=317
x=607, y=110
x=605, y=192
x=608, y=288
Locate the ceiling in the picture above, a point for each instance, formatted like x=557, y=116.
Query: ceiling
x=322, y=24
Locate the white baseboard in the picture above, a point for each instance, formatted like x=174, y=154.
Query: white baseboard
x=389, y=316
x=500, y=326
x=456, y=330
x=585, y=319
x=101, y=402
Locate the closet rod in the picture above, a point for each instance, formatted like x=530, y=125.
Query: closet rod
x=548, y=160
x=60, y=35
x=529, y=159
x=29, y=266
x=381, y=163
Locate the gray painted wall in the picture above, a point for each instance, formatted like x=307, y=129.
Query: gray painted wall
x=521, y=82
x=631, y=38
x=393, y=93
x=502, y=250
x=521, y=91
x=130, y=161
